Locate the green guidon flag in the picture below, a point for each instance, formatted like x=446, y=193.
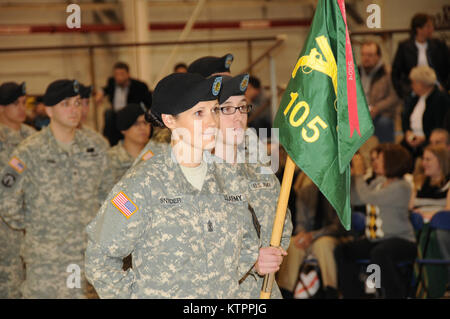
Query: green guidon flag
x=323, y=118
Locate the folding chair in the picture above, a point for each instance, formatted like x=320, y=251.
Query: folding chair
x=440, y=220
x=417, y=223
x=358, y=222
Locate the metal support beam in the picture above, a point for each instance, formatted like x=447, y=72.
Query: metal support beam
x=228, y=3
x=48, y=6
x=273, y=87
x=182, y=37
x=94, y=86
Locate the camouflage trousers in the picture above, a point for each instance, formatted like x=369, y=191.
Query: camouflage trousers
x=12, y=271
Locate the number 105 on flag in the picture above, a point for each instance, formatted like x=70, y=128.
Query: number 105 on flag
x=313, y=124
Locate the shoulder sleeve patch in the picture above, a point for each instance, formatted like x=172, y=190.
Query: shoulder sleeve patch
x=124, y=204
x=17, y=164
x=9, y=179
x=147, y=155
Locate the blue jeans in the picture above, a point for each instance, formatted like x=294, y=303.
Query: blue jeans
x=384, y=128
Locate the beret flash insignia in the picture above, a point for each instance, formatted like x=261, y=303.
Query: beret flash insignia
x=216, y=86
x=244, y=83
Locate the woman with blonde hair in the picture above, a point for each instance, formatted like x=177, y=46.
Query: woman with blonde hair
x=431, y=191
x=424, y=110
x=189, y=234
x=433, y=194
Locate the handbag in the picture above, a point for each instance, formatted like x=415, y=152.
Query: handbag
x=309, y=283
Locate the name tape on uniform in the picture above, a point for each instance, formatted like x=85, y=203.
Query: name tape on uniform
x=124, y=204
x=234, y=198
x=17, y=164
x=170, y=201
x=260, y=185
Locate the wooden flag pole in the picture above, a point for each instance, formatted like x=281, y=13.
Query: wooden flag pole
x=278, y=223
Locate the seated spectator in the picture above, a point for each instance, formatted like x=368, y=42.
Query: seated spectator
x=438, y=136
x=318, y=231
x=374, y=171
x=372, y=175
x=431, y=193
x=381, y=96
x=420, y=50
x=389, y=236
x=180, y=68
x=441, y=137
x=121, y=89
x=423, y=112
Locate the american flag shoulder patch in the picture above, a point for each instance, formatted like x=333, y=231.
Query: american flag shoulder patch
x=17, y=164
x=148, y=155
x=124, y=204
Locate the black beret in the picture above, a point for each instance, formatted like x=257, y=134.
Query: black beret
x=233, y=86
x=127, y=116
x=39, y=99
x=179, y=92
x=209, y=65
x=60, y=90
x=10, y=92
x=85, y=91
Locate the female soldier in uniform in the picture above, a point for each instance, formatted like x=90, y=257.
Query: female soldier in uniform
x=261, y=185
x=136, y=131
x=205, y=66
x=189, y=235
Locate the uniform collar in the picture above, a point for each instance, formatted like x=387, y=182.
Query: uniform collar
x=79, y=144
x=13, y=136
x=210, y=185
x=123, y=153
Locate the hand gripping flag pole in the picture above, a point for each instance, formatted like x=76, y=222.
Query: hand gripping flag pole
x=278, y=223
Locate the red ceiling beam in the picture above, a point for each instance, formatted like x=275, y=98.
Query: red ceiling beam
x=157, y=26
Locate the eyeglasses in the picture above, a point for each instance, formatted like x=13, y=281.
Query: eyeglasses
x=229, y=110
